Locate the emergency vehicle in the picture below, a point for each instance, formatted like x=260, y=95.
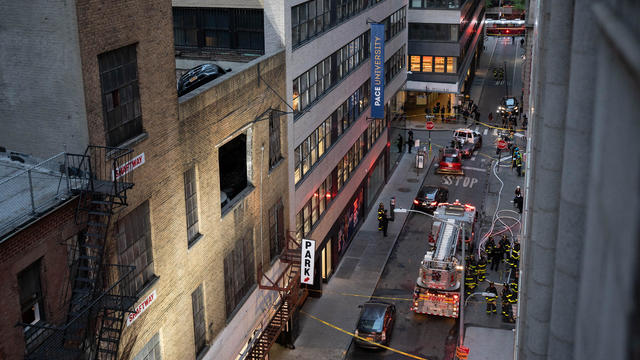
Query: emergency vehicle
x=437, y=290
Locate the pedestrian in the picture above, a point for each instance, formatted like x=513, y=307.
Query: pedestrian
x=518, y=191
x=490, y=117
x=488, y=249
x=477, y=119
x=400, y=143
x=410, y=141
x=449, y=106
x=518, y=201
x=442, y=113
x=504, y=120
x=385, y=223
x=465, y=115
x=525, y=122
x=519, y=164
x=491, y=300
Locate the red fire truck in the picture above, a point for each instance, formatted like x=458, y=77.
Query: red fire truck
x=437, y=290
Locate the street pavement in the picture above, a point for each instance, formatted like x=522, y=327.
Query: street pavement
x=387, y=266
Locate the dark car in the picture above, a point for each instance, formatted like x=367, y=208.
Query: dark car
x=429, y=197
x=199, y=75
x=375, y=323
x=450, y=162
x=508, y=106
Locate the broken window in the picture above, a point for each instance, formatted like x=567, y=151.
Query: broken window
x=274, y=139
x=232, y=159
x=31, y=299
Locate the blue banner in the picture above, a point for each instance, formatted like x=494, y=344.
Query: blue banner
x=377, y=71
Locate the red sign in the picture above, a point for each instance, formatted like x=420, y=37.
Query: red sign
x=430, y=125
x=144, y=304
x=502, y=144
x=128, y=167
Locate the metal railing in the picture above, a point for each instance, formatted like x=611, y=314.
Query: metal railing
x=33, y=190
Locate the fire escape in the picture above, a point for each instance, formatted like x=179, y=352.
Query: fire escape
x=291, y=296
x=96, y=297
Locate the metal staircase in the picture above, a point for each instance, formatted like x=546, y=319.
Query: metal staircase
x=291, y=297
x=96, y=293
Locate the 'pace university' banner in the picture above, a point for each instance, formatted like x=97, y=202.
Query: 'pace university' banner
x=377, y=71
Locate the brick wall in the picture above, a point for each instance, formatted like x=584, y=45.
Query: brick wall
x=41, y=240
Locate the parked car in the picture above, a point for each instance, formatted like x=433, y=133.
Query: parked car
x=450, y=162
x=429, y=197
x=198, y=76
x=375, y=323
x=508, y=106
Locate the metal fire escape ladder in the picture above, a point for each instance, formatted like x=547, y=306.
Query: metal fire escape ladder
x=287, y=283
x=96, y=292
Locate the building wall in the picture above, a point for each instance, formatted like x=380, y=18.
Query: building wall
x=40, y=78
x=249, y=4
x=580, y=255
x=299, y=61
x=42, y=239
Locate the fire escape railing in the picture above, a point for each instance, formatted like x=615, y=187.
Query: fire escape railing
x=291, y=296
x=96, y=294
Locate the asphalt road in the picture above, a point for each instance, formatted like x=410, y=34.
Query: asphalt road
x=426, y=336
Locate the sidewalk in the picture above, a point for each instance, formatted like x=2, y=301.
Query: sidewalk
x=358, y=273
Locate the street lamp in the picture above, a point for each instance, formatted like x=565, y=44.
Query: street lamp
x=461, y=268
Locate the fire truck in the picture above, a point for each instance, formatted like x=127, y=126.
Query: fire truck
x=437, y=290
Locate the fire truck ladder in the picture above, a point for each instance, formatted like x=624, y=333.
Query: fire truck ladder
x=291, y=296
x=96, y=294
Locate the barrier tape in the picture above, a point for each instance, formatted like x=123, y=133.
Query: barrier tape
x=358, y=295
x=499, y=128
x=363, y=339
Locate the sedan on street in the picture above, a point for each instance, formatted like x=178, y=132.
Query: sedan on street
x=429, y=197
x=450, y=162
x=375, y=323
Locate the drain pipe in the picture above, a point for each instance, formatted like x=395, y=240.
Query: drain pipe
x=261, y=204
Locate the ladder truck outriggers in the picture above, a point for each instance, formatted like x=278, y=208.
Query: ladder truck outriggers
x=437, y=290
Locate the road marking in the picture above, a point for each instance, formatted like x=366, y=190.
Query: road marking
x=361, y=338
x=495, y=132
x=473, y=168
x=452, y=180
x=477, y=128
x=485, y=132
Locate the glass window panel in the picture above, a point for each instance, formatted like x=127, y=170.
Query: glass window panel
x=415, y=63
x=439, y=64
x=451, y=64
x=427, y=65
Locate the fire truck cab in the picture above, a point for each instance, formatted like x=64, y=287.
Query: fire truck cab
x=439, y=280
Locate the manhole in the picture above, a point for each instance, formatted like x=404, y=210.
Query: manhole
x=412, y=180
x=404, y=189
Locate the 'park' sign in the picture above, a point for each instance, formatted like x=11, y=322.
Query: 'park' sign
x=307, y=260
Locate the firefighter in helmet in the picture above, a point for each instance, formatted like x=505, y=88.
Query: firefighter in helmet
x=491, y=300
x=380, y=216
x=482, y=268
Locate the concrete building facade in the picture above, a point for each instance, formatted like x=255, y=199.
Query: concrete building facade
x=580, y=258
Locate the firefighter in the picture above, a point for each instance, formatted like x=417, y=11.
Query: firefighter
x=482, y=269
x=514, y=260
x=488, y=249
x=513, y=288
x=519, y=165
x=506, y=246
x=472, y=266
x=498, y=254
x=491, y=300
x=385, y=223
x=380, y=214
x=507, y=309
x=469, y=282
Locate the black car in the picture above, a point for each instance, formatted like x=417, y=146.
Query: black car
x=429, y=197
x=199, y=75
x=508, y=106
x=375, y=323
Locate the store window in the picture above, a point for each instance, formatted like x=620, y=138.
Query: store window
x=415, y=63
x=451, y=64
x=439, y=64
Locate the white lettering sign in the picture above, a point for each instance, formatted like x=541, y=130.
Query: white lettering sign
x=129, y=166
x=308, y=256
x=144, y=304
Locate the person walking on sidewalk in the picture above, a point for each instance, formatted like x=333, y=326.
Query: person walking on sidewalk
x=385, y=223
x=400, y=143
x=518, y=202
x=518, y=191
x=491, y=300
x=410, y=141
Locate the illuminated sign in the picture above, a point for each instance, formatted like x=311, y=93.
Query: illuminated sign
x=308, y=255
x=377, y=71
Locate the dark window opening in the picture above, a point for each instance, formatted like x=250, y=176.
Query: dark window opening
x=232, y=159
x=31, y=299
x=133, y=234
x=274, y=139
x=191, y=204
x=199, y=323
x=276, y=229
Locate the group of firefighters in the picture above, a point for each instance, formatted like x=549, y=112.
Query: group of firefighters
x=493, y=255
